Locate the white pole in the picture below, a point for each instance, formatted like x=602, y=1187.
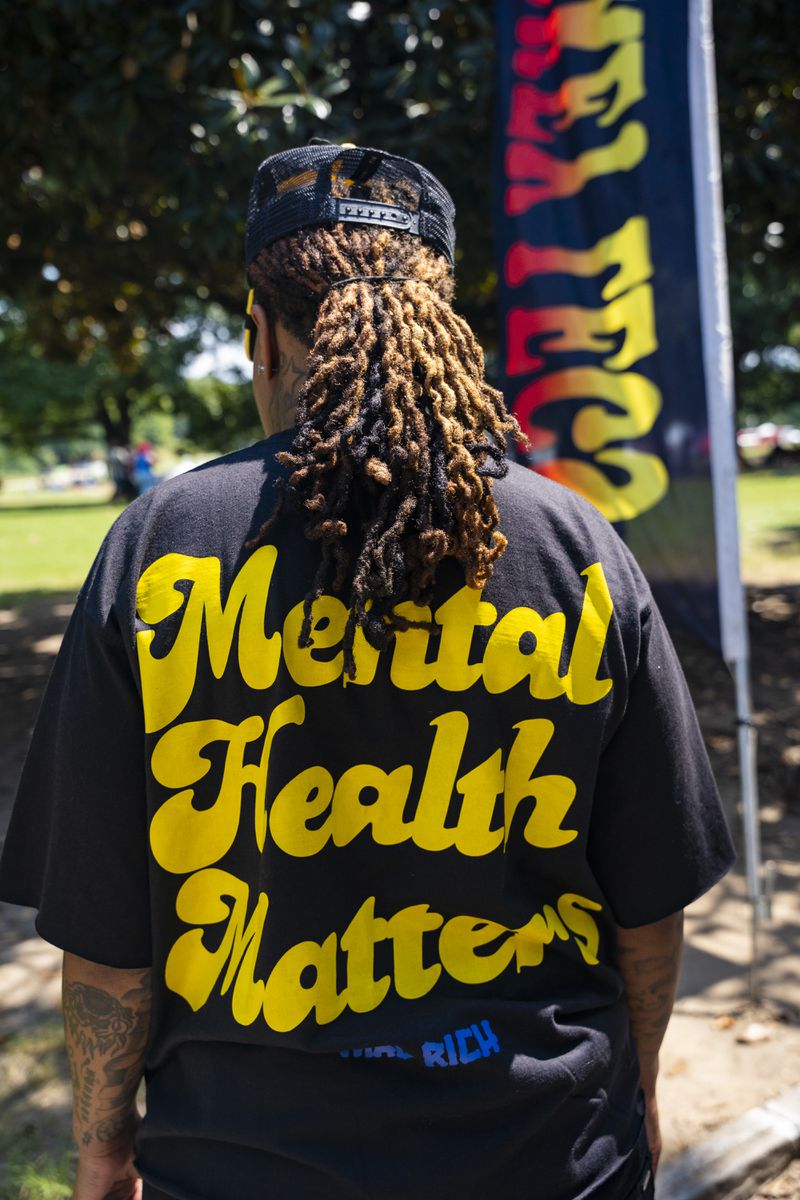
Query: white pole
x=718, y=365
x=752, y=830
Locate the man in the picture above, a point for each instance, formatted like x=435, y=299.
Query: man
x=367, y=792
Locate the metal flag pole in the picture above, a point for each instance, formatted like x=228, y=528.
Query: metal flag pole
x=718, y=364
x=756, y=892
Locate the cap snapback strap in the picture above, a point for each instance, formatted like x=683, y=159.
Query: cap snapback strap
x=374, y=279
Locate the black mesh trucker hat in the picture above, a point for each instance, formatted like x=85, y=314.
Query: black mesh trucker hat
x=324, y=182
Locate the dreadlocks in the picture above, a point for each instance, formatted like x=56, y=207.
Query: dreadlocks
x=398, y=434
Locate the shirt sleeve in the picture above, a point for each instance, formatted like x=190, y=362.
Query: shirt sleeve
x=76, y=847
x=658, y=837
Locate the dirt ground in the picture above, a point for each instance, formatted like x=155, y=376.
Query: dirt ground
x=785, y=1187
x=722, y=1055
x=715, y=1065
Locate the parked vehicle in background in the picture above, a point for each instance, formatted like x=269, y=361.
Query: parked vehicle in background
x=83, y=473
x=768, y=444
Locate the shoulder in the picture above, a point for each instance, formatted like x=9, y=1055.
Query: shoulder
x=230, y=475
x=194, y=498
x=555, y=531
x=523, y=486
x=199, y=512
x=532, y=506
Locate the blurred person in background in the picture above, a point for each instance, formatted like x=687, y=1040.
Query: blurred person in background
x=144, y=459
x=367, y=792
x=120, y=469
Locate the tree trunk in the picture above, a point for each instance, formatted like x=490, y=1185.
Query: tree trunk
x=114, y=415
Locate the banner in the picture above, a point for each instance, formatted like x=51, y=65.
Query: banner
x=602, y=345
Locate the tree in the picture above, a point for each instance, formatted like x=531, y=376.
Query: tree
x=129, y=135
x=759, y=102
x=58, y=399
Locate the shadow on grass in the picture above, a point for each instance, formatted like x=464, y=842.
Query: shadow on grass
x=31, y=629
x=783, y=540
x=29, y=1172
x=30, y=623
x=36, y=1152
x=774, y=627
x=33, y=598
x=51, y=507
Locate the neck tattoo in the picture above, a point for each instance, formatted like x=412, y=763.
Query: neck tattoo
x=283, y=404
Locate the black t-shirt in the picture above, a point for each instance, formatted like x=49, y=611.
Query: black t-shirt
x=379, y=912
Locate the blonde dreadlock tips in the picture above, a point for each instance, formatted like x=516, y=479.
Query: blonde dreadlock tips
x=398, y=435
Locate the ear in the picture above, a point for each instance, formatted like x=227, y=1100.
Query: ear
x=266, y=346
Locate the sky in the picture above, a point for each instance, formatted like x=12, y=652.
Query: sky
x=220, y=358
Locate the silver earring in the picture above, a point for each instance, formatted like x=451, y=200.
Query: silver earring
x=261, y=369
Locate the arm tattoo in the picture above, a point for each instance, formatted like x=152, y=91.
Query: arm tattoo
x=106, y=1035
x=649, y=961
x=98, y=1021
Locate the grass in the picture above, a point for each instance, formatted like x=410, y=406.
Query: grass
x=37, y=1156
x=47, y=548
x=47, y=543
x=769, y=524
x=29, y=1173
